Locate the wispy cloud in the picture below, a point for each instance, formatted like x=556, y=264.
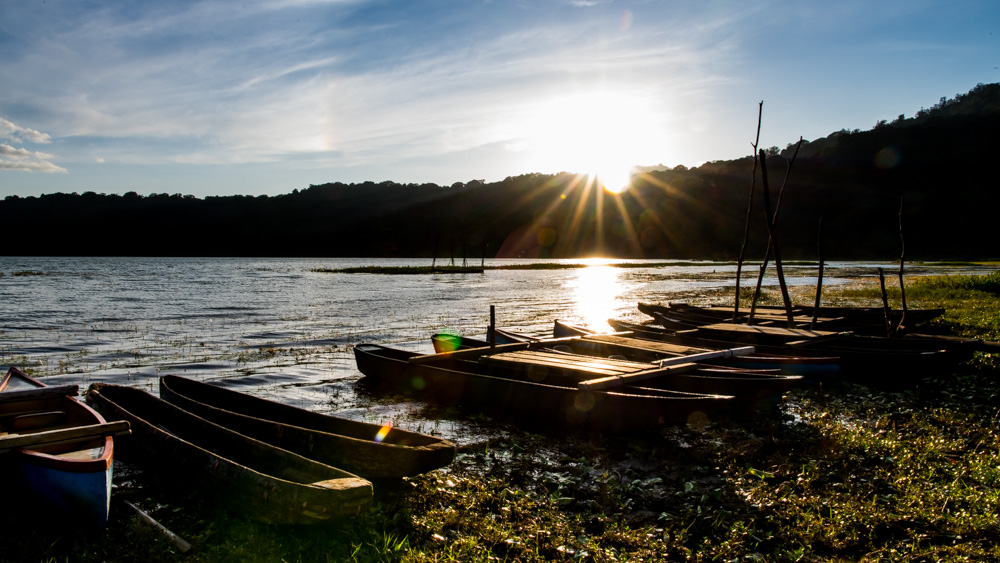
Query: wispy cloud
x=13, y=132
x=351, y=84
x=19, y=158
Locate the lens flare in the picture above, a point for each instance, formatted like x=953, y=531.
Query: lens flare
x=382, y=432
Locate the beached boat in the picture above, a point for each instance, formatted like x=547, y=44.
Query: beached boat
x=56, y=453
x=635, y=342
x=530, y=395
x=368, y=450
x=253, y=478
x=861, y=320
x=744, y=375
x=872, y=359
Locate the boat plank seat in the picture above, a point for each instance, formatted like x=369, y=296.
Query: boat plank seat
x=36, y=420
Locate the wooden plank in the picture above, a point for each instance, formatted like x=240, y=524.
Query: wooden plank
x=12, y=441
x=45, y=419
x=40, y=393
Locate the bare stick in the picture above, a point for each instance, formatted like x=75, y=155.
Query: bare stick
x=760, y=282
x=902, y=255
x=493, y=328
x=774, y=242
x=767, y=253
x=885, y=303
x=819, y=276
x=746, y=229
x=178, y=541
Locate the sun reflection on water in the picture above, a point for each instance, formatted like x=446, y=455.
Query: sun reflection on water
x=595, y=289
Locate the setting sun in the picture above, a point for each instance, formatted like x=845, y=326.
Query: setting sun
x=603, y=135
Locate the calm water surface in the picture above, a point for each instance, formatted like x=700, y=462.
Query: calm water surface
x=282, y=328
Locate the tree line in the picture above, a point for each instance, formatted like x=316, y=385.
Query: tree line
x=938, y=163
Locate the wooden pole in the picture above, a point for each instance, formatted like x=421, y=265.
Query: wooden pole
x=767, y=253
x=178, y=541
x=885, y=303
x=819, y=276
x=493, y=328
x=902, y=255
x=760, y=282
x=774, y=242
x=746, y=229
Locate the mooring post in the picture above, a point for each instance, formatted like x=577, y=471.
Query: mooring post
x=493, y=326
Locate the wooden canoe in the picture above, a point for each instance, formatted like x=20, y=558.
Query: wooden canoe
x=65, y=473
x=515, y=394
x=637, y=343
x=862, y=320
x=253, y=478
x=368, y=450
x=871, y=359
x=574, y=359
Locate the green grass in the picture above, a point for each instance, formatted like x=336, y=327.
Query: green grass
x=845, y=473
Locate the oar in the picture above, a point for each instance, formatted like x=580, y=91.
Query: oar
x=681, y=364
x=727, y=353
x=39, y=393
x=619, y=380
x=12, y=441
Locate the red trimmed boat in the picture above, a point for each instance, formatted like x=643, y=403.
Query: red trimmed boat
x=56, y=453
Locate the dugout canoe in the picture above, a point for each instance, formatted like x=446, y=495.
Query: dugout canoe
x=56, y=453
x=861, y=320
x=372, y=451
x=635, y=341
x=870, y=359
x=530, y=397
x=254, y=479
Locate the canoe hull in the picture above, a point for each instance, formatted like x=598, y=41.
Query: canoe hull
x=69, y=482
x=369, y=450
x=529, y=402
x=816, y=368
x=80, y=497
x=255, y=479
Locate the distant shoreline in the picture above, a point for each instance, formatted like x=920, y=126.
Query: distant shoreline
x=419, y=270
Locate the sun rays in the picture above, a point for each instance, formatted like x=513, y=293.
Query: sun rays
x=602, y=134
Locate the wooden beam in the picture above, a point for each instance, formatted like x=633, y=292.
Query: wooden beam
x=12, y=441
x=40, y=393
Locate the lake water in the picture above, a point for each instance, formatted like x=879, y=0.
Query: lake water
x=283, y=328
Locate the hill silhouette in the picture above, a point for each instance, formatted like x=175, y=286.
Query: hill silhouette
x=937, y=162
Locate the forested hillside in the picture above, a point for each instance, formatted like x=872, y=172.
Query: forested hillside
x=937, y=162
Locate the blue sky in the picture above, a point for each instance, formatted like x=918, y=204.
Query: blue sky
x=264, y=97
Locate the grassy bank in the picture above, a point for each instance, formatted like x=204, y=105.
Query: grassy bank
x=846, y=473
